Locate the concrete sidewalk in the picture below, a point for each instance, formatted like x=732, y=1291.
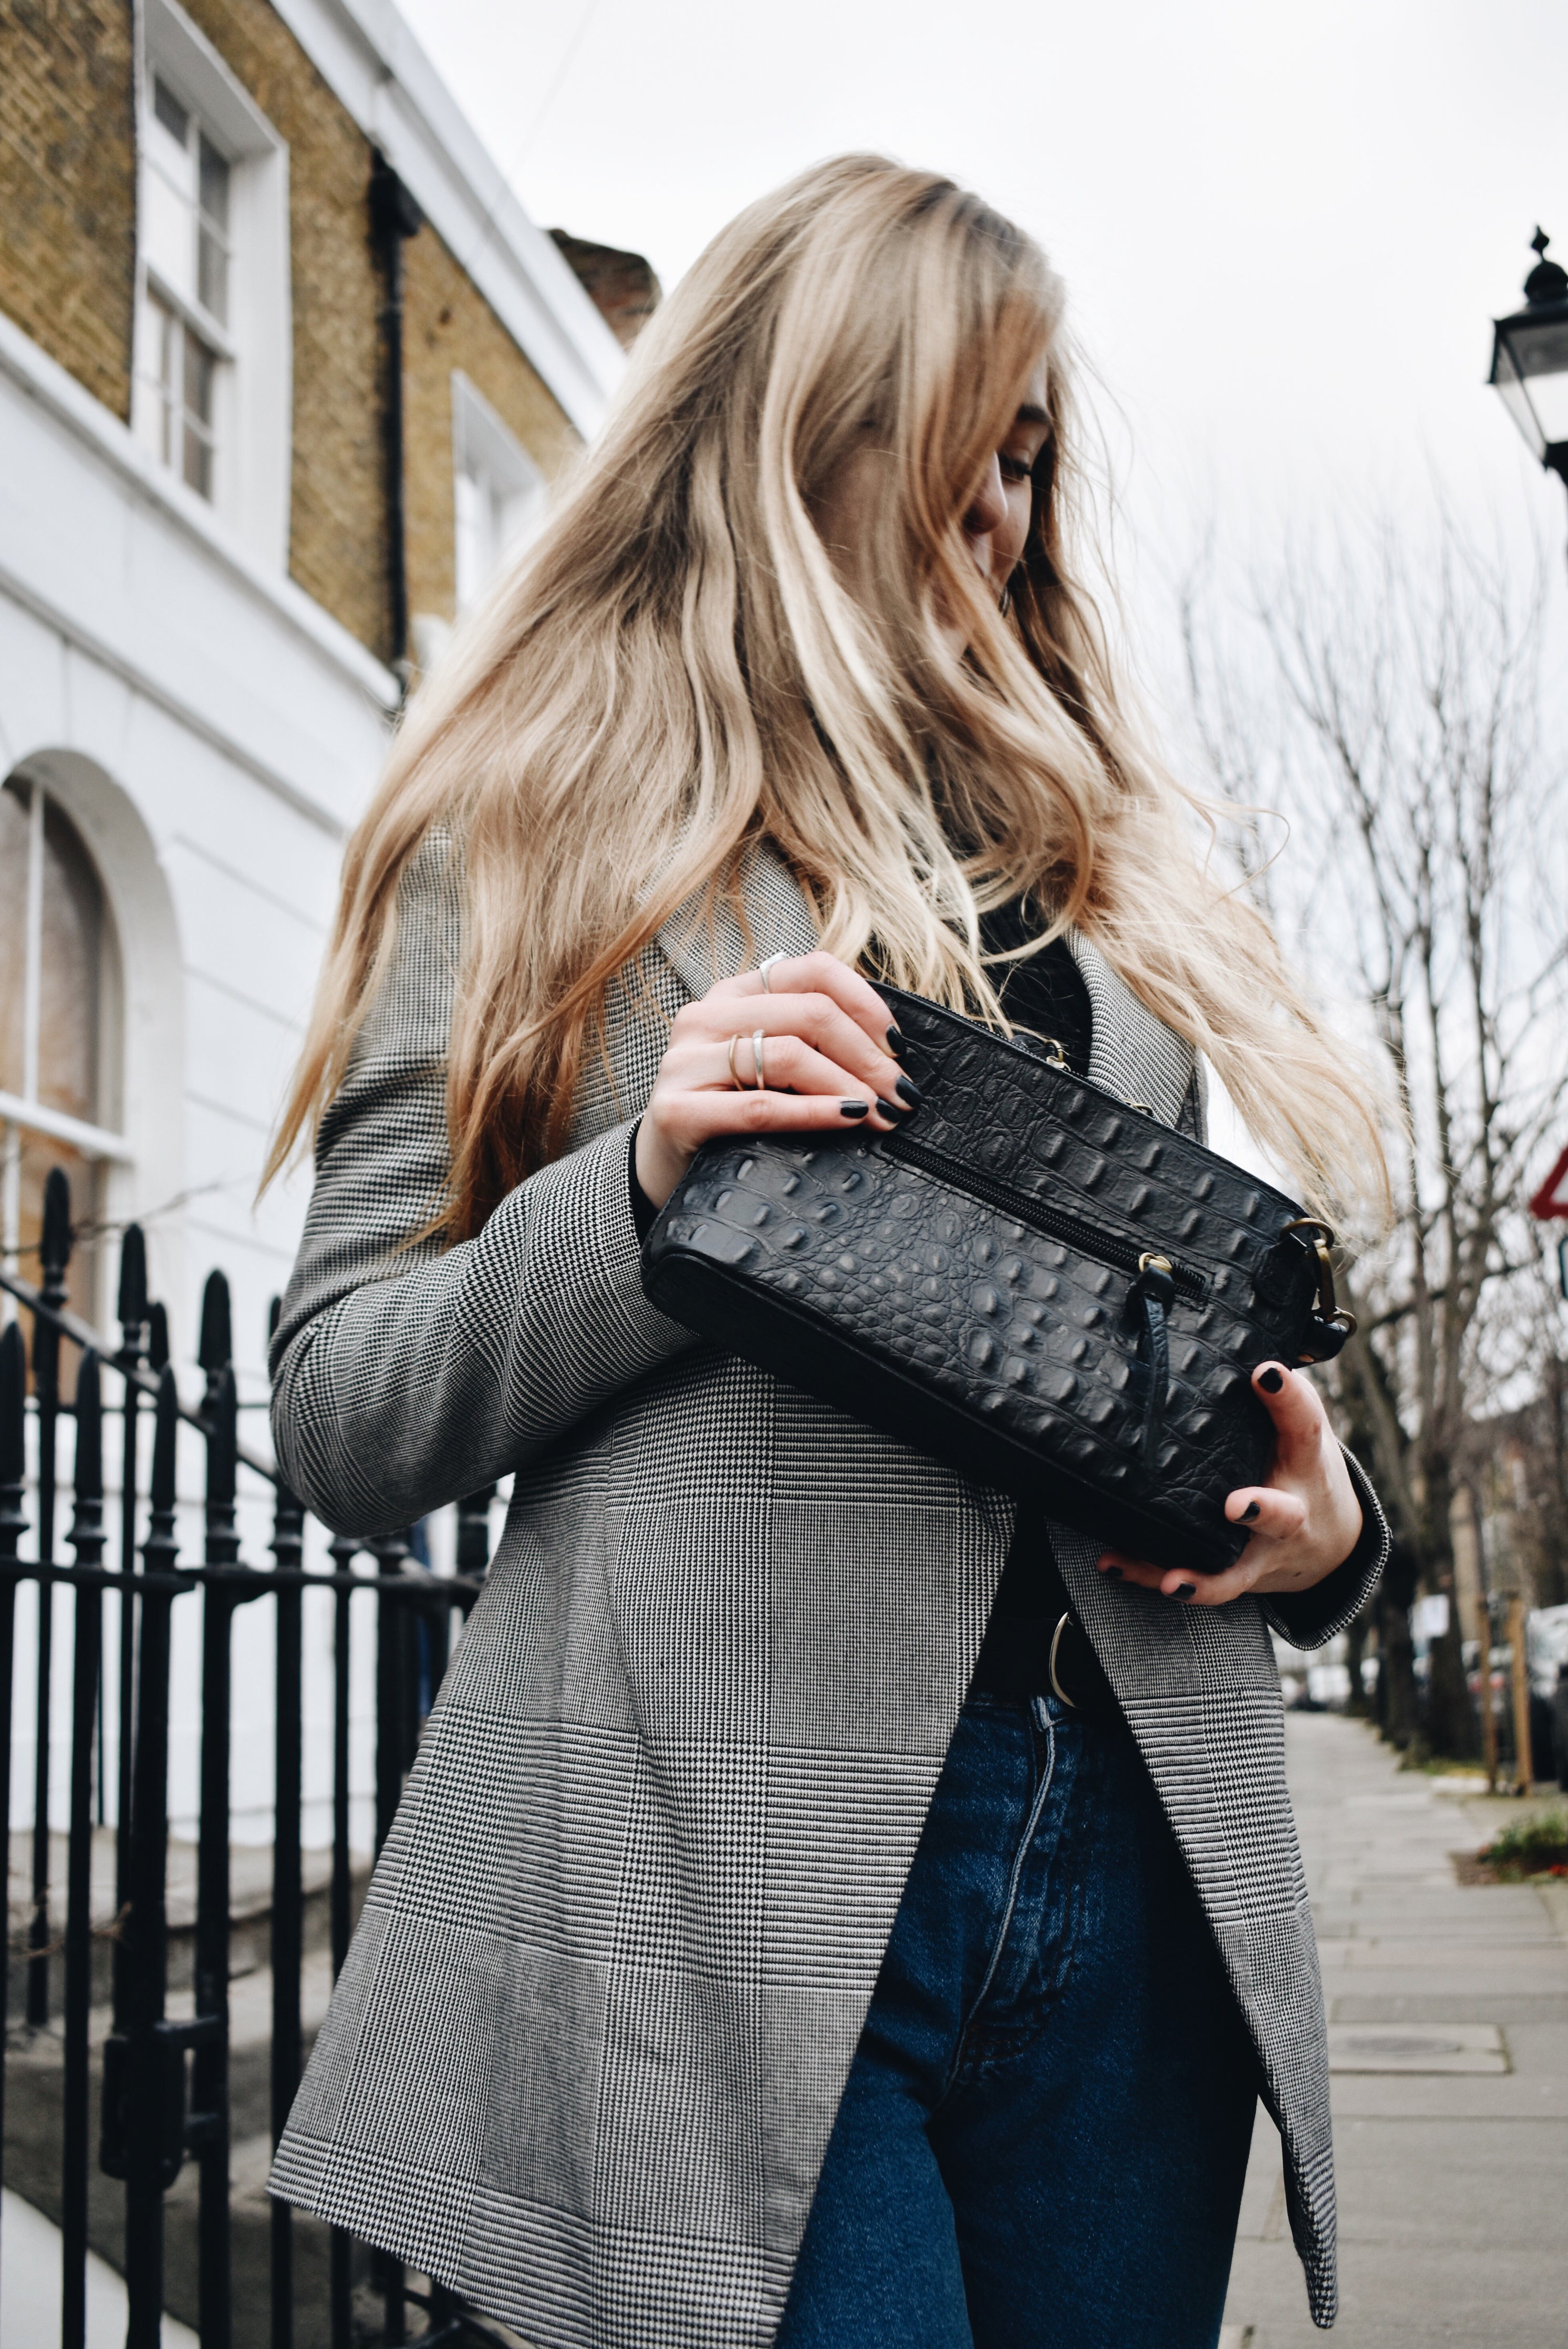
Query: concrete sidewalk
x=1447, y=2009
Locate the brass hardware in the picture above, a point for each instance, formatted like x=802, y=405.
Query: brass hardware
x=1328, y=1305
x=1054, y=1056
x=1142, y=1108
x=1154, y=1264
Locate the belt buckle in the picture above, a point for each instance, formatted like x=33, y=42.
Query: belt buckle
x=1071, y=1702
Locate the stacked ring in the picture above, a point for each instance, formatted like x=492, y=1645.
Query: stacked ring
x=759, y=1040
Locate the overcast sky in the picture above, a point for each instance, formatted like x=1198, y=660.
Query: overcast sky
x=1284, y=230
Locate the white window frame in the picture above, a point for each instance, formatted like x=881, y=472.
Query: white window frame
x=485, y=448
x=253, y=428
x=24, y=1113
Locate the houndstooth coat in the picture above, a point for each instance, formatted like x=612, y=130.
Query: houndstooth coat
x=586, y=2052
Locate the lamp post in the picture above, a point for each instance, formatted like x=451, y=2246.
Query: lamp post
x=1530, y=361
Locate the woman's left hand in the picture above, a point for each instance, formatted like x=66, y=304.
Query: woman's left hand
x=1304, y=1523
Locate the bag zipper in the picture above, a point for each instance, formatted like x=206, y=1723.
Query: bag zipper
x=1107, y=1247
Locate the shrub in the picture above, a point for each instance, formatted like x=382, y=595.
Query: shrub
x=1530, y=1848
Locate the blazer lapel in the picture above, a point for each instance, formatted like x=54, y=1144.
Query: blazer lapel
x=1133, y=1053
x=776, y=910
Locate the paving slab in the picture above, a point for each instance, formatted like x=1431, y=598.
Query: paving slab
x=1447, y=2006
x=30, y=2288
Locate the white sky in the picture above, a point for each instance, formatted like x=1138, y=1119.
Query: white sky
x=1284, y=230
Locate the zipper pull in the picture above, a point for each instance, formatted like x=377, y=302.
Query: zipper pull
x=1151, y=1298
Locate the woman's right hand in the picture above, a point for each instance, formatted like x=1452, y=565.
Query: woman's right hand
x=829, y=1058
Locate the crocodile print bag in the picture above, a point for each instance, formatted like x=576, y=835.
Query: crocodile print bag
x=1033, y=1281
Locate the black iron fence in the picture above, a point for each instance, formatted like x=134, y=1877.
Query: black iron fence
x=122, y=2079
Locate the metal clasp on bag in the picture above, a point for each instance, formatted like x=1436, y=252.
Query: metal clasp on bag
x=1330, y=1312
x=1051, y=1664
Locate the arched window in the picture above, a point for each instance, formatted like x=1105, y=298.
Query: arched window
x=60, y=1039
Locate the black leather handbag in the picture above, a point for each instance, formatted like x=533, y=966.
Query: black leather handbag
x=1031, y=1280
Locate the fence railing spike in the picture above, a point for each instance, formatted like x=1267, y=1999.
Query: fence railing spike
x=130, y=1305
x=12, y=1415
x=13, y=1526
x=55, y=1240
x=166, y=1428
x=157, y=1337
x=88, y=1541
x=87, y=1482
x=473, y=1533
x=133, y=1343
x=222, y=1460
x=217, y=1346
x=55, y=1251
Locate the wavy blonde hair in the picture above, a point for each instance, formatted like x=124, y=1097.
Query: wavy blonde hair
x=679, y=668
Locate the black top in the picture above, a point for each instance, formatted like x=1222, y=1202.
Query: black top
x=1046, y=997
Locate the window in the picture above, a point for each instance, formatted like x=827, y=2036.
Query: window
x=184, y=373
x=59, y=1027
x=499, y=496
x=213, y=368
x=185, y=295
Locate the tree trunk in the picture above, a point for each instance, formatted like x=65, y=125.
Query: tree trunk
x=1396, y=1662
x=1397, y=1676
x=1451, y=1725
x=1355, y=1654
x=1451, y=1718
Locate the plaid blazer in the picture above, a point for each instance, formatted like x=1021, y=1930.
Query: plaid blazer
x=585, y=2055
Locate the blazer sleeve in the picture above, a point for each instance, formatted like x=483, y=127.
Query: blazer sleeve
x=405, y=1374
x=1310, y=1618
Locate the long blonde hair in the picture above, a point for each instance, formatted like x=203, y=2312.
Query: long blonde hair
x=679, y=668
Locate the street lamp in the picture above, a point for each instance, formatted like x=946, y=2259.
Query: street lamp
x=1530, y=361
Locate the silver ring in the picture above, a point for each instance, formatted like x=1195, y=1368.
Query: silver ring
x=763, y=968
x=735, y=1072
x=758, y=1041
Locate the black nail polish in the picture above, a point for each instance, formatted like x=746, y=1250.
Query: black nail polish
x=1186, y=1590
x=1249, y=1513
x=1112, y=1573
x=856, y=1108
x=908, y=1091
x=895, y=1109
x=1269, y=1380
x=896, y=1044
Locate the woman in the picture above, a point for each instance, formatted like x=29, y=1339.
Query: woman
x=799, y=684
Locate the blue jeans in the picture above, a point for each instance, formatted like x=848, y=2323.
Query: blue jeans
x=1046, y=2124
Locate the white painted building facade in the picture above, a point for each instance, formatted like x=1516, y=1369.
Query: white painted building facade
x=183, y=717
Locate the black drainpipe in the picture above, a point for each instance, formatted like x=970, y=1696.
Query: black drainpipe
x=394, y=218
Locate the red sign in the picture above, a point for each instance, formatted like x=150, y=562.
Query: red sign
x=1552, y=1200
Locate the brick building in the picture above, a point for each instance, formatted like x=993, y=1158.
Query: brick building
x=227, y=529
x=231, y=525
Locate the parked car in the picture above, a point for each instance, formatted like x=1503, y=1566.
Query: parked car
x=1546, y=1652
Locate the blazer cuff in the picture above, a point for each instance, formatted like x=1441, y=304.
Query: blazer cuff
x=644, y=1213
x=1310, y=1618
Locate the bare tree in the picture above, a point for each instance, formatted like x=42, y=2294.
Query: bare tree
x=1387, y=702
x=1516, y=1462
